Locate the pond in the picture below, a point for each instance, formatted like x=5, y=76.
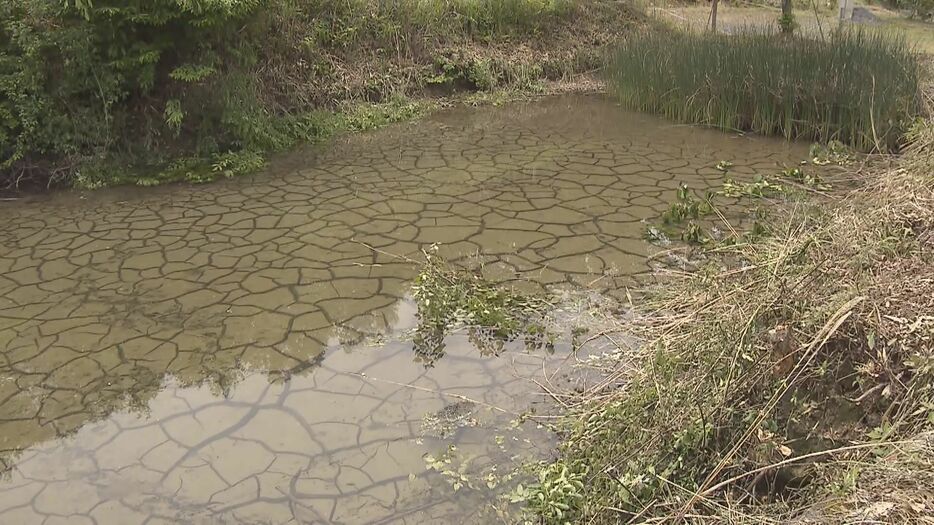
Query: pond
x=239, y=352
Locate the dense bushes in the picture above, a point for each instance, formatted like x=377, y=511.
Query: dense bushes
x=345, y=22
x=918, y=8
x=369, y=49
x=857, y=87
x=83, y=80
x=88, y=89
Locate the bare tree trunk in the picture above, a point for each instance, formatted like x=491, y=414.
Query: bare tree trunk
x=713, y=15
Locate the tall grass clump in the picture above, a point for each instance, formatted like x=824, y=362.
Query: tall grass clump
x=857, y=86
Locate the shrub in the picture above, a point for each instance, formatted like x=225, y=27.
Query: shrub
x=858, y=87
x=918, y=8
x=82, y=80
x=90, y=87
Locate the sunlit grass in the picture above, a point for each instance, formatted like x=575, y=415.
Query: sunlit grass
x=921, y=34
x=494, y=15
x=484, y=18
x=858, y=87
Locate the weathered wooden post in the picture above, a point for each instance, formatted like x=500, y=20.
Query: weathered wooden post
x=713, y=15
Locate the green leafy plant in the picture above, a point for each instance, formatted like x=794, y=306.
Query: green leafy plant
x=685, y=207
x=448, y=298
x=192, y=72
x=787, y=23
x=174, y=115
x=457, y=475
x=806, y=178
x=758, y=188
x=85, y=80
x=694, y=234
x=833, y=152
x=556, y=496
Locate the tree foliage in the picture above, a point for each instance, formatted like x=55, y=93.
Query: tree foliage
x=81, y=77
x=92, y=89
x=923, y=9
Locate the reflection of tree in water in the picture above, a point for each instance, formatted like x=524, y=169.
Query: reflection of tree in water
x=133, y=393
x=429, y=343
x=130, y=392
x=121, y=359
x=284, y=375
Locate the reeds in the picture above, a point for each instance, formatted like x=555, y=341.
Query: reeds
x=857, y=86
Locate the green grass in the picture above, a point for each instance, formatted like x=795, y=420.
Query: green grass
x=916, y=31
x=347, y=21
x=496, y=15
x=858, y=87
x=269, y=134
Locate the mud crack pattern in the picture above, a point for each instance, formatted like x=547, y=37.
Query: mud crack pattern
x=183, y=353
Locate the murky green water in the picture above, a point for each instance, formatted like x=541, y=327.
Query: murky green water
x=230, y=353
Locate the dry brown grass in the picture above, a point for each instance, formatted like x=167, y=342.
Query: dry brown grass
x=792, y=381
x=393, y=57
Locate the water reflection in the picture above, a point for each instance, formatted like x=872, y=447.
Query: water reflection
x=340, y=444
x=155, y=326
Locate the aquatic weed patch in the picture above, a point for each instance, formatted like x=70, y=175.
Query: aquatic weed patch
x=686, y=217
x=449, y=298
